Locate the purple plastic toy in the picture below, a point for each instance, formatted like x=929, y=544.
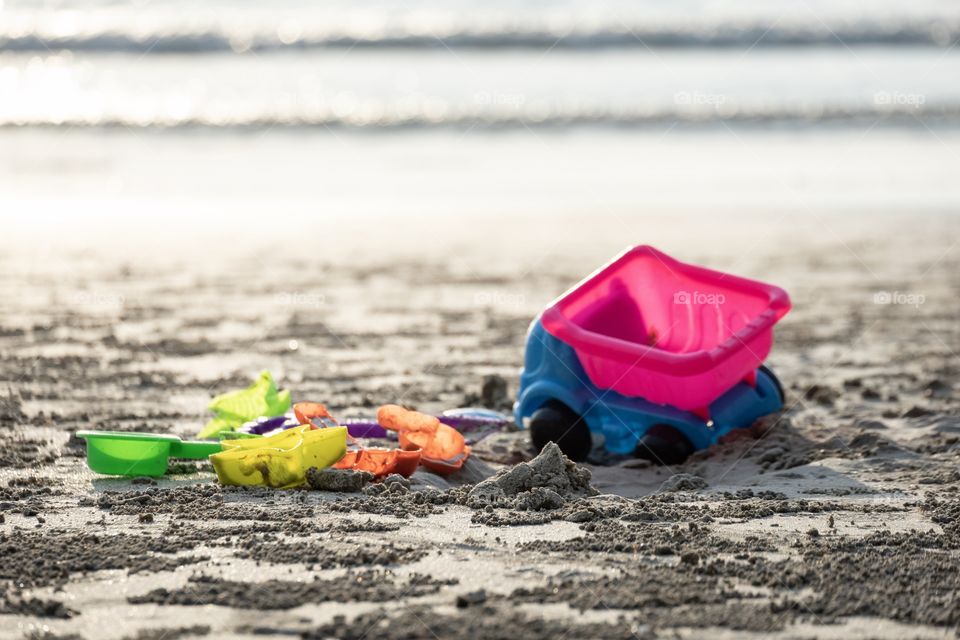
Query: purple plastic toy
x=479, y=422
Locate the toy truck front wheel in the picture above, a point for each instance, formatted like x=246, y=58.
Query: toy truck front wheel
x=556, y=422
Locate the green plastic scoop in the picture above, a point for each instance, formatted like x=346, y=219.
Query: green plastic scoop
x=120, y=453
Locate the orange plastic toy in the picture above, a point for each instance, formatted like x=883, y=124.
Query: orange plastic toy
x=381, y=462
x=305, y=411
x=423, y=440
x=442, y=448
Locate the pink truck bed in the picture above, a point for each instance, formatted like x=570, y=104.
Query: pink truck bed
x=672, y=333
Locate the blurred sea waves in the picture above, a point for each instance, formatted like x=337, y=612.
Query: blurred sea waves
x=199, y=38
x=392, y=64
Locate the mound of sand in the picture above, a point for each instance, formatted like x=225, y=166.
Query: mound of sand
x=549, y=481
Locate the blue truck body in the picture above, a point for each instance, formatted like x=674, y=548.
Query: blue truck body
x=552, y=371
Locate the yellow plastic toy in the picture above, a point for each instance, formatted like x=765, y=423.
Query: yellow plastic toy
x=280, y=460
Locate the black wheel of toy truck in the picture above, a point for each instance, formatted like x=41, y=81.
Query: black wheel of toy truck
x=556, y=422
x=663, y=445
x=776, y=382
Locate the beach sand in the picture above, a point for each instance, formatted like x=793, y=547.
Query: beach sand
x=836, y=518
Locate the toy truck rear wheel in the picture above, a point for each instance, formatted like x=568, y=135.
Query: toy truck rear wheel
x=556, y=422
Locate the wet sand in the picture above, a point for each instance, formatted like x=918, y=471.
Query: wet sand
x=837, y=518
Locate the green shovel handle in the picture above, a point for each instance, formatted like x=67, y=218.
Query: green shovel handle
x=194, y=450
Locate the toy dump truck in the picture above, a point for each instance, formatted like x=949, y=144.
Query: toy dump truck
x=652, y=356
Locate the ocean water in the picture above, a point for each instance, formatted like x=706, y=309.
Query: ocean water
x=463, y=107
x=509, y=63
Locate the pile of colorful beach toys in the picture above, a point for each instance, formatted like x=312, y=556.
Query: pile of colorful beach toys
x=646, y=357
